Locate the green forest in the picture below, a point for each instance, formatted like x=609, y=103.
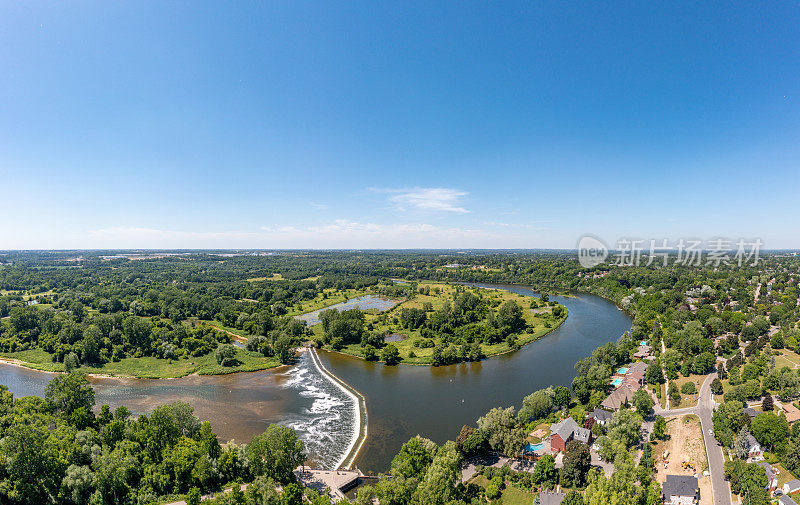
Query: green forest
x=91, y=311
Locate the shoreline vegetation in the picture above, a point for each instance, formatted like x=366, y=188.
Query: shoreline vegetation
x=144, y=367
x=523, y=343
x=688, y=316
x=475, y=322
x=148, y=367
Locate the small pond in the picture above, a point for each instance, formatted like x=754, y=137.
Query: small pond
x=365, y=302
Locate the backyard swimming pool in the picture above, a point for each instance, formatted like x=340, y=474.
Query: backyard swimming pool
x=534, y=447
x=616, y=382
x=622, y=371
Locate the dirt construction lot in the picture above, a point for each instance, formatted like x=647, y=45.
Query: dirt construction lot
x=685, y=444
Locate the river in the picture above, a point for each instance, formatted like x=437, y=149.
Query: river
x=402, y=401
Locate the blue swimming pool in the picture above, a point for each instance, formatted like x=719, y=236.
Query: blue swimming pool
x=616, y=382
x=643, y=342
x=622, y=371
x=534, y=447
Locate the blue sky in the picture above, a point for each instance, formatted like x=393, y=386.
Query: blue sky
x=383, y=125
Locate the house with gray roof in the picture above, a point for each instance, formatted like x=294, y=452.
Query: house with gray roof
x=551, y=498
x=754, y=452
x=772, y=477
x=565, y=431
x=792, y=486
x=681, y=490
x=600, y=416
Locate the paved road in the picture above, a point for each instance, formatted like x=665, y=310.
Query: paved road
x=716, y=461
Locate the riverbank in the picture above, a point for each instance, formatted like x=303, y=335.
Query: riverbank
x=416, y=347
x=145, y=367
x=495, y=350
x=361, y=427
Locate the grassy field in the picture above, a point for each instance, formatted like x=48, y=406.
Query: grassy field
x=221, y=327
x=787, y=358
x=689, y=400
x=388, y=322
x=274, y=277
x=149, y=367
x=510, y=495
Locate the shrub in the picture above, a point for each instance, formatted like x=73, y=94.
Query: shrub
x=226, y=355
x=688, y=388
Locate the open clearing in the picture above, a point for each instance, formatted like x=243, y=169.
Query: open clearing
x=685, y=443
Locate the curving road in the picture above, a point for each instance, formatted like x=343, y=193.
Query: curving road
x=716, y=461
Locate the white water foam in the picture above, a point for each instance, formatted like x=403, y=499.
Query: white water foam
x=326, y=424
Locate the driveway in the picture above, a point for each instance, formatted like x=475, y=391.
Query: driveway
x=716, y=460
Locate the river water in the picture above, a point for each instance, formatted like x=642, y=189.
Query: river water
x=238, y=406
x=402, y=401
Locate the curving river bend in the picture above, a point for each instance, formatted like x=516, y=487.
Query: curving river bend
x=402, y=401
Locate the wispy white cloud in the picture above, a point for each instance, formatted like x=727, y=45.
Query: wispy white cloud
x=427, y=199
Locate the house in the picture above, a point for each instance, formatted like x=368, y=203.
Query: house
x=634, y=380
x=681, y=490
x=772, y=477
x=750, y=411
x=619, y=398
x=792, y=412
x=755, y=451
x=643, y=352
x=551, y=498
x=637, y=367
x=792, y=486
x=600, y=416
x=785, y=500
x=563, y=432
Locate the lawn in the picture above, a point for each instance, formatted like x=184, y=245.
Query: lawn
x=783, y=474
x=787, y=358
x=152, y=368
x=689, y=400
x=510, y=495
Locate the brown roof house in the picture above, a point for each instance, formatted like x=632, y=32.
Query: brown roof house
x=643, y=352
x=792, y=412
x=561, y=433
x=620, y=397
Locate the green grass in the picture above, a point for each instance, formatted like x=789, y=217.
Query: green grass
x=689, y=400
x=509, y=496
x=783, y=475
x=152, y=368
x=219, y=326
x=35, y=358
x=787, y=358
